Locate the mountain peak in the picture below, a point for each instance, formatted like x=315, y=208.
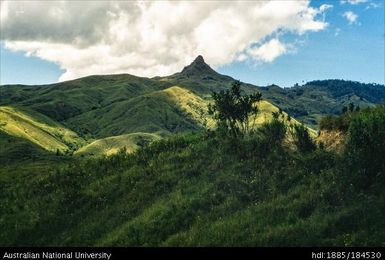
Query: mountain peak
x=199, y=59
x=198, y=67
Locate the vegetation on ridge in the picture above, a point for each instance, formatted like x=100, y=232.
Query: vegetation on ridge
x=208, y=189
x=187, y=180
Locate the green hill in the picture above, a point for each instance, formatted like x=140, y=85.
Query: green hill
x=38, y=129
x=156, y=112
x=112, y=145
x=162, y=113
x=179, y=184
x=308, y=103
x=98, y=107
x=204, y=190
x=65, y=100
x=78, y=103
x=15, y=149
x=315, y=99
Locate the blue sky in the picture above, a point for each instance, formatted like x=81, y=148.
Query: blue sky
x=345, y=49
x=342, y=51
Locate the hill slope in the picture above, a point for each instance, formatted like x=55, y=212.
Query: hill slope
x=161, y=113
x=37, y=128
x=155, y=112
x=15, y=149
x=315, y=99
x=64, y=100
x=112, y=145
x=198, y=190
x=79, y=102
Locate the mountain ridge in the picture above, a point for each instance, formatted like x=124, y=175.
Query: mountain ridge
x=101, y=106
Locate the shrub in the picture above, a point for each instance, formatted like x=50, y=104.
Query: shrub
x=302, y=139
x=273, y=132
x=233, y=111
x=365, y=148
x=340, y=123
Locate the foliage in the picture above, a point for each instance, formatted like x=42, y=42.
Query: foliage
x=273, y=132
x=366, y=147
x=316, y=99
x=190, y=190
x=340, y=123
x=234, y=111
x=302, y=139
x=193, y=189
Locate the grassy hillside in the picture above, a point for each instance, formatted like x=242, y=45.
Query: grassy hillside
x=155, y=112
x=206, y=190
x=161, y=113
x=65, y=100
x=193, y=105
x=308, y=103
x=172, y=110
x=189, y=106
x=315, y=99
x=15, y=149
x=112, y=145
x=108, y=97
x=38, y=129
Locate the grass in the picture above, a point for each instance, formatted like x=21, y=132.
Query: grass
x=112, y=145
x=192, y=104
x=185, y=189
x=38, y=129
x=161, y=113
x=84, y=103
x=199, y=190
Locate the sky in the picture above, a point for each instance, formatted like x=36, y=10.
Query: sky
x=259, y=42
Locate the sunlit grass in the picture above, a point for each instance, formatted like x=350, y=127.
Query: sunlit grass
x=37, y=128
x=111, y=145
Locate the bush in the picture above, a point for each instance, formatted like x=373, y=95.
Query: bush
x=340, y=123
x=273, y=133
x=302, y=139
x=234, y=111
x=365, y=148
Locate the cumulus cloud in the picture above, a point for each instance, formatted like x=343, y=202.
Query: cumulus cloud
x=151, y=38
x=350, y=16
x=268, y=51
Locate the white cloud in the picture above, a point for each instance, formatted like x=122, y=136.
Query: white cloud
x=268, y=51
x=151, y=38
x=350, y=16
x=325, y=7
x=353, y=2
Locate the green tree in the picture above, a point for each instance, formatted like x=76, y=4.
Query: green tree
x=234, y=111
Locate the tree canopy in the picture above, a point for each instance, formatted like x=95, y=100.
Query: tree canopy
x=233, y=111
